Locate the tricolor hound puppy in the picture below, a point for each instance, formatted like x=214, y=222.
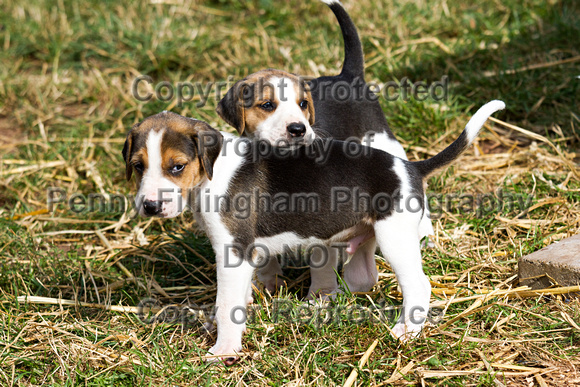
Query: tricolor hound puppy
x=281, y=108
x=172, y=155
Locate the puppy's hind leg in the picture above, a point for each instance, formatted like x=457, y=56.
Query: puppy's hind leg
x=323, y=262
x=270, y=274
x=360, y=274
x=426, y=227
x=399, y=242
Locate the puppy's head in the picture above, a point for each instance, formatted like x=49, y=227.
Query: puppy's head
x=170, y=155
x=270, y=105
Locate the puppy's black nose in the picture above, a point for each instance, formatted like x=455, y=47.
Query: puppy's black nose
x=296, y=129
x=152, y=207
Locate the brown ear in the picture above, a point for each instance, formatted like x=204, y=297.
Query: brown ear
x=127, y=153
x=208, y=143
x=310, y=109
x=308, y=97
x=232, y=107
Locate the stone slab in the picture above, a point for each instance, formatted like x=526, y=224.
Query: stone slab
x=558, y=262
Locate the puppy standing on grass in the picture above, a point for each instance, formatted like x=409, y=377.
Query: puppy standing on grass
x=171, y=154
x=281, y=108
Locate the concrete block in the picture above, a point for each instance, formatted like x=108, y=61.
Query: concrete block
x=558, y=262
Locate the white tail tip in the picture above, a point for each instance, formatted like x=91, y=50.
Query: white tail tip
x=476, y=122
x=330, y=2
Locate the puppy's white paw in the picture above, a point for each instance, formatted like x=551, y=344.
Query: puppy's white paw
x=405, y=332
x=225, y=351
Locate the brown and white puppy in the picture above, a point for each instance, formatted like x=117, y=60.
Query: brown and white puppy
x=168, y=163
x=171, y=153
x=270, y=105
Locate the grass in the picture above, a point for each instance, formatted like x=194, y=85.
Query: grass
x=66, y=70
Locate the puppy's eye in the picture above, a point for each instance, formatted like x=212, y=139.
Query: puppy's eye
x=268, y=106
x=303, y=104
x=139, y=167
x=176, y=169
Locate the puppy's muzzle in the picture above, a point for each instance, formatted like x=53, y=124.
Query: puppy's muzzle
x=152, y=207
x=296, y=130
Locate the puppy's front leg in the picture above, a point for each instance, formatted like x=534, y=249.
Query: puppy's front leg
x=234, y=279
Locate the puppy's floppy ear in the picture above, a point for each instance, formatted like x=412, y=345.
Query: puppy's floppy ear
x=208, y=143
x=308, y=97
x=232, y=107
x=127, y=152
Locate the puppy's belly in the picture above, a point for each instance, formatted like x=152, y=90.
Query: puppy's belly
x=351, y=238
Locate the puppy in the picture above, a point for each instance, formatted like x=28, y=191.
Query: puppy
x=270, y=105
x=173, y=154
x=280, y=107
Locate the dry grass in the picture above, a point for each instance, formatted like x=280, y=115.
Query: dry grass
x=70, y=282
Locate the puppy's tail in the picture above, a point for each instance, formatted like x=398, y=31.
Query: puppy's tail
x=469, y=134
x=354, y=63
